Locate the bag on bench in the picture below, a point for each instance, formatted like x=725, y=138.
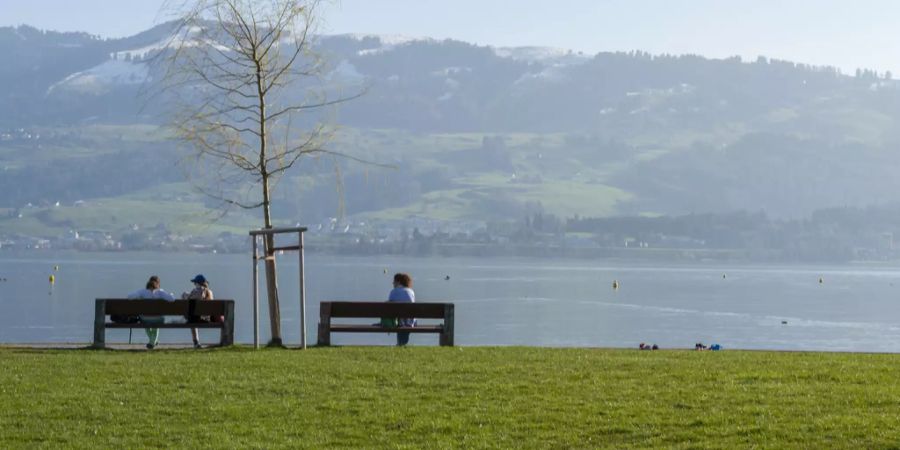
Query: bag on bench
x=123, y=318
x=190, y=316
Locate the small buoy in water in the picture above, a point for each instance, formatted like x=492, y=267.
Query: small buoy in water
x=724, y=276
x=385, y=271
x=447, y=277
x=784, y=322
x=615, y=284
x=56, y=268
x=821, y=280
x=52, y=279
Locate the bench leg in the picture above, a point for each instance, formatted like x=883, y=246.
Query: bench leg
x=228, y=327
x=100, y=324
x=446, y=338
x=324, y=335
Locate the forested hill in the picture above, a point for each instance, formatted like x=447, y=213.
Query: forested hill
x=479, y=133
x=426, y=85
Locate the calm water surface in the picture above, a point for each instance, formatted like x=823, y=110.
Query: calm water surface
x=498, y=301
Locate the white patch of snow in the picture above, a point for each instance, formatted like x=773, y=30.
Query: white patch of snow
x=553, y=74
x=682, y=88
x=98, y=78
x=346, y=71
x=373, y=51
x=142, y=52
x=541, y=54
x=387, y=42
x=453, y=70
x=187, y=38
x=385, y=39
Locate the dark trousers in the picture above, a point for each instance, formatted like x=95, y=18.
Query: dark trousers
x=402, y=338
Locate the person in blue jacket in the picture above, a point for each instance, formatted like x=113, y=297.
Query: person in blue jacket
x=402, y=292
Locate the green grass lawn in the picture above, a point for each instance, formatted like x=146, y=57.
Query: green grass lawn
x=447, y=397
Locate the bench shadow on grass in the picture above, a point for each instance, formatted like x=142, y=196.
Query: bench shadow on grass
x=50, y=348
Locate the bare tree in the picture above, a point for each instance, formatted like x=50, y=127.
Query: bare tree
x=239, y=74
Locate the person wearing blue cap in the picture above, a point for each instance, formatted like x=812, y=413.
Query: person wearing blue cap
x=201, y=291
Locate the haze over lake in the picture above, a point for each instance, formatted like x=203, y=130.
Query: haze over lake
x=565, y=303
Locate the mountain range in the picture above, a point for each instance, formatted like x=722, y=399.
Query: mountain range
x=476, y=132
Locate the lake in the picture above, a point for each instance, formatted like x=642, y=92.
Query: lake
x=560, y=303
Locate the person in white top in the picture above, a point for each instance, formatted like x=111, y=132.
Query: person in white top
x=152, y=292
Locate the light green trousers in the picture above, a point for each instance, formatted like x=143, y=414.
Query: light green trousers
x=152, y=333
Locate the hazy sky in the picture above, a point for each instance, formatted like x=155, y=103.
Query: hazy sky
x=845, y=33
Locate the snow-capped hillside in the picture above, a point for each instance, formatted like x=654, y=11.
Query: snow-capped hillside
x=99, y=79
x=377, y=43
x=547, y=55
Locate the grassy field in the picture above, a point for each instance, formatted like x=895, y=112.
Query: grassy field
x=447, y=398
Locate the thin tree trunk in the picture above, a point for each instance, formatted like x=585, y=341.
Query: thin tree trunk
x=272, y=287
x=271, y=273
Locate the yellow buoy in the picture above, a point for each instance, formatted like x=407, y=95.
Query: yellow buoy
x=615, y=284
x=52, y=279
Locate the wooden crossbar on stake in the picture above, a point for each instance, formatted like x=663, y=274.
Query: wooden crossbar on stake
x=254, y=235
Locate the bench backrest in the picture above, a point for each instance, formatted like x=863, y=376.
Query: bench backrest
x=162, y=307
x=386, y=309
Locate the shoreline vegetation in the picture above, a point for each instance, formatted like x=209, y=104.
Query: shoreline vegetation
x=460, y=397
x=452, y=250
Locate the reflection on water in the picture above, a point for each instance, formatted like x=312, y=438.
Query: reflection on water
x=499, y=301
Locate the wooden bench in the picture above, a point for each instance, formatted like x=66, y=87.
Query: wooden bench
x=109, y=306
x=375, y=310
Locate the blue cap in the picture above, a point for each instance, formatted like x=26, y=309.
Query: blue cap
x=199, y=279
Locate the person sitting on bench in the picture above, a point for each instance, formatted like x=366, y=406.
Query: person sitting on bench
x=152, y=292
x=403, y=292
x=201, y=291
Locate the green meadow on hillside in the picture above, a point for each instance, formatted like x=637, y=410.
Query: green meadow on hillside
x=110, y=177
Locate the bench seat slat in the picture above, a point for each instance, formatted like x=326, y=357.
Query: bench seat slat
x=387, y=309
x=378, y=329
x=163, y=307
x=165, y=325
